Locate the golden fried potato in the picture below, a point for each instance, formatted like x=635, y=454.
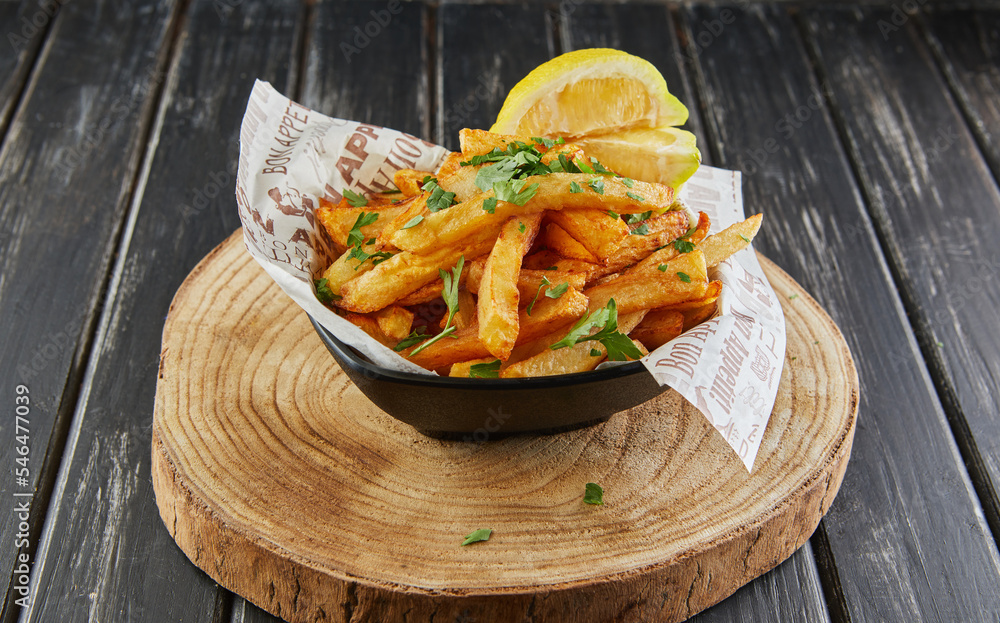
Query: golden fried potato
x=339, y=219
x=463, y=368
x=559, y=241
x=498, y=293
x=528, y=280
x=554, y=192
x=547, y=316
x=576, y=358
x=599, y=231
x=405, y=272
x=648, y=289
x=720, y=246
x=658, y=327
x=409, y=181
x=394, y=321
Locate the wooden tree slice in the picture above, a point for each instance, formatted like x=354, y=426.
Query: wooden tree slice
x=276, y=476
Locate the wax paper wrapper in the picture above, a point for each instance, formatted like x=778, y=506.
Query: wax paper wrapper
x=290, y=157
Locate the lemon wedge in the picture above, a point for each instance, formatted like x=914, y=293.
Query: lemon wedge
x=587, y=93
x=664, y=154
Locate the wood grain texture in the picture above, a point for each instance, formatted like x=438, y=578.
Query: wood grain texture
x=66, y=170
x=474, y=73
x=792, y=590
x=359, y=69
x=895, y=515
x=24, y=25
x=105, y=555
x=913, y=148
x=278, y=478
x=968, y=46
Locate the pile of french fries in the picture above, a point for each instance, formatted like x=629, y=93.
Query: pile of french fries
x=522, y=257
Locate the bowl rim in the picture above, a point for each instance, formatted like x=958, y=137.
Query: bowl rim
x=368, y=368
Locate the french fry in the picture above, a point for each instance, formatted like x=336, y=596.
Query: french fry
x=462, y=182
x=558, y=240
x=712, y=292
x=406, y=272
x=528, y=280
x=554, y=192
x=451, y=164
x=338, y=219
x=498, y=294
x=466, y=315
x=547, y=316
x=576, y=358
x=648, y=289
x=598, y=231
x=658, y=327
x=663, y=229
x=720, y=246
x=463, y=368
x=698, y=315
x=409, y=181
x=548, y=260
x=394, y=322
x=370, y=326
x=642, y=347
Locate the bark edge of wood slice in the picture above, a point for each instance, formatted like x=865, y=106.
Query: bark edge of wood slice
x=287, y=486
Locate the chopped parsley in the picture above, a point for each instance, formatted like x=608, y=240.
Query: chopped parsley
x=355, y=199
x=520, y=227
x=634, y=196
x=618, y=345
x=439, y=199
x=641, y=230
x=595, y=353
x=552, y=268
x=323, y=291
x=553, y=292
x=567, y=165
x=597, y=185
x=632, y=219
x=513, y=191
x=483, y=534
x=417, y=335
x=686, y=278
x=391, y=191
x=489, y=370
x=548, y=143
x=413, y=222
x=575, y=188
x=586, y=168
x=598, y=167
x=662, y=268
x=593, y=494
x=450, y=296
x=627, y=181
x=793, y=297
x=612, y=214
x=356, y=240
x=682, y=244
x=490, y=205
x=745, y=239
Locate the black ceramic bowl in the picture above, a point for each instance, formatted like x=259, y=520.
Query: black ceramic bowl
x=480, y=409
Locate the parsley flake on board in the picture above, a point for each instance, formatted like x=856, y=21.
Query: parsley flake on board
x=355, y=199
x=450, y=296
x=597, y=185
x=593, y=494
x=686, y=278
x=489, y=370
x=323, y=291
x=490, y=205
x=575, y=188
x=483, y=534
x=413, y=222
x=618, y=345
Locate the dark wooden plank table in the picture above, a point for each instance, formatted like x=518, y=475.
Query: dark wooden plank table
x=868, y=135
